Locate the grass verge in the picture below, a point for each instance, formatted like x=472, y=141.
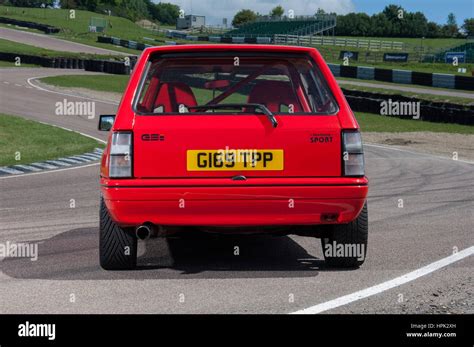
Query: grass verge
x=104, y=83
x=34, y=141
x=375, y=123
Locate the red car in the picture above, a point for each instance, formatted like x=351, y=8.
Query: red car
x=233, y=138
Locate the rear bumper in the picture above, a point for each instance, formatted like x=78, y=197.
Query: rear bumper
x=201, y=202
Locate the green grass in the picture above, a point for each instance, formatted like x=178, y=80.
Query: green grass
x=105, y=83
x=8, y=46
x=37, y=142
x=376, y=123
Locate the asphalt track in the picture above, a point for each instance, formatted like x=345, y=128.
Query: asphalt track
x=271, y=274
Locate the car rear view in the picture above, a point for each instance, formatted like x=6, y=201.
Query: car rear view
x=233, y=138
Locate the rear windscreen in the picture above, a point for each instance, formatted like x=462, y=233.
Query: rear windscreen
x=195, y=84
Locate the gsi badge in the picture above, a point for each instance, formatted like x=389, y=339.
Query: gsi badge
x=153, y=137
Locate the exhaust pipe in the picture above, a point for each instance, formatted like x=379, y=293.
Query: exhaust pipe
x=145, y=231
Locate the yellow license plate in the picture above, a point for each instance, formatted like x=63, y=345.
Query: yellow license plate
x=235, y=160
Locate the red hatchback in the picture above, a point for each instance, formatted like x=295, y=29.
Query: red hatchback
x=233, y=138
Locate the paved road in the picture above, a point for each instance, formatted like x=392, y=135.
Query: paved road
x=49, y=42
x=272, y=274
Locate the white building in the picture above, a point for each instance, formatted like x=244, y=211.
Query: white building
x=190, y=21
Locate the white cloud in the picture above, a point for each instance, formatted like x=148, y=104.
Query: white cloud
x=215, y=10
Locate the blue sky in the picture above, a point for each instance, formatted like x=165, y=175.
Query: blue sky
x=434, y=10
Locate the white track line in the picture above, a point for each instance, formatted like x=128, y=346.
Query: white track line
x=379, y=288
x=29, y=80
x=74, y=131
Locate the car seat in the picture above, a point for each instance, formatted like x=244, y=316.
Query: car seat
x=274, y=94
x=173, y=94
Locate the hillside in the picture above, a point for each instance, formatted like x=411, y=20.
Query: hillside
x=77, y=28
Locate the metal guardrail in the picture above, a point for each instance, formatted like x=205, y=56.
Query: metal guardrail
x=318, y=17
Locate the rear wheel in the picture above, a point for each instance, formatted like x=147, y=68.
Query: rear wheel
x=117, y=246
x=345, y=245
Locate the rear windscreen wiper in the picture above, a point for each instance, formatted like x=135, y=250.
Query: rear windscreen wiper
x=260, y=107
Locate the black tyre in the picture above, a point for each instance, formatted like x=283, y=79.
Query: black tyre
x=117, y=246
x=351, y=239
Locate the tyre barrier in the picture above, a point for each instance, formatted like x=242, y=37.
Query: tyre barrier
x=109, y=66
x=348, y=71
x=218, y=39
x=123, y=43
x=112, y=67
x=404, y=77
x=383, y=75
x=47, y=29
x=104, y=39
x=429, y=111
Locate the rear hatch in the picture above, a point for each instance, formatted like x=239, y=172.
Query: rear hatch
x=198, y=146
x=281, y=119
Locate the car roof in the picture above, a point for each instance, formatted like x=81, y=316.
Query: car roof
x=229, y=47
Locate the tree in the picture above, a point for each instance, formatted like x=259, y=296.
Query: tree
x=468, y=26
x=451, y=28
x=244, y=16
x=277, y=12
x=31, y=3
x=452, y=19
x=433, y=30
x=134, y=9
x=380, y=25
x=165, y=13
x=89, y=5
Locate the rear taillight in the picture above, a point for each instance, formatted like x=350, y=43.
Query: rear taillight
x=352, y=154
x=120, y=163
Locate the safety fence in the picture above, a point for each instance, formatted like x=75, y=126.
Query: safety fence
x=429, y=111
x=47, y=29
x=374, y=45
x=404, y=76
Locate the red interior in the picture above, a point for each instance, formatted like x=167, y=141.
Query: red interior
x=274, y=94
x=173, y=94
